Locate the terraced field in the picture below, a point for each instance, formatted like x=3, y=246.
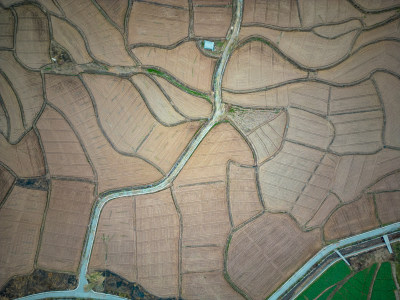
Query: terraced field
x=127, y=148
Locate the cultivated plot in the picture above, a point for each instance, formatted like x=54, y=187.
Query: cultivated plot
x=223, y=179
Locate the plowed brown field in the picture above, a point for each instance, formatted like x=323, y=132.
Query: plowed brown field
x=120, y=113
x=389, y=89
x=211, y=21
x=356, y=172
x=164, y=144
x=306, y=48
x=372, y=57
x=156, y=101
x=354, y=98
x=323, y=212
x=138, y=238
x=351, y=219
x=388, y=183
x=27, y=85
x=387, y=31
x=32, y=39
x=200, y=191
x=256, y=65
x=208, y=164
x=185, y=62
x=65, y=225
x=104, y=40
x=387, y=206
x=157, y=231
x=64, y=153
x=116, y=10
x=114, y=247
x=24, y=158
x=276, y=12
x=243, y=195
x=310, y=96
x=7, y=28
x=267, y=251
x=113, y=169
x=67, y=36
x=6, y=181
x=192, y=107
x=309, y=129
x=13, y=108
x=157, y=24
x=20, y=221
x=102, y=99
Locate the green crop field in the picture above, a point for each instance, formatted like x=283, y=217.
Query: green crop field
x=384, y=285
x=332, y=276
x=357, y=287
x=327, y=292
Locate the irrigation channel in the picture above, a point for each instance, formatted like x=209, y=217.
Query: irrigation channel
x=218, y=115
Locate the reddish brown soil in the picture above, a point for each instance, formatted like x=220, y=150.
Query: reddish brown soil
x=351, y=219
x=185, y=62
x=24, y=158
x=149, y=23
x=64, y=153
x=66, y=224
x=32, y=38
x=265, y=252
x=388, y=208
x=243, y=195
x=113, y=169
x=6, y=181
x=20, y=221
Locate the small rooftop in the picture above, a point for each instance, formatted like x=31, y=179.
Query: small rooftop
x=208, y=45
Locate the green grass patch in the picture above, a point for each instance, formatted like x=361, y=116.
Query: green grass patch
x=384, y=285
x=219, y=44
x=331, y=276
x=236, y=109
x=178, y=84
x=357, y=287
x=155, y=71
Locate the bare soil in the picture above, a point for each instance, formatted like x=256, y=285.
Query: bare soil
x=351, y=219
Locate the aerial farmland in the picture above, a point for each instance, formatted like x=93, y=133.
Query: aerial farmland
x=199, y=149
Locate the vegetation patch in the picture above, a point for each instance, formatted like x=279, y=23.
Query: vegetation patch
x=96, y=280
x=357, y=287
x=384, y=285
x=38, y=281
x=178, y=84
x=116, y=285
x=327, y=292
x=331, y=277
x=336, y=284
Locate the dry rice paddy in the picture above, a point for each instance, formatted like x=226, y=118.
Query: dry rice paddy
x=306, y=151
